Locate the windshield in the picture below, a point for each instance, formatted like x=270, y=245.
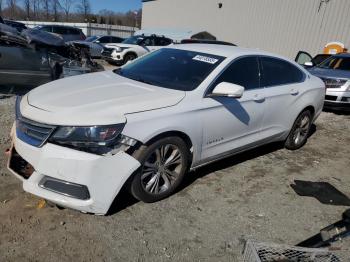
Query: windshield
x=91, y=38
x=337, y=63
x=134, y=40
x=172, y=68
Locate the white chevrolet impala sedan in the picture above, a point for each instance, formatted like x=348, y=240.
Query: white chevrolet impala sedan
x=78, y=141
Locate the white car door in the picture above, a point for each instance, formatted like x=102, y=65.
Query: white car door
x=283, y=85
x=231, y=124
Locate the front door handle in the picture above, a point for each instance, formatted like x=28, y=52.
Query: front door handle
x=294, y=92
x=259, y=99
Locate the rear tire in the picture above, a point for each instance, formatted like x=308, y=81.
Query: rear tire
x=300, y=131
x=163, y=166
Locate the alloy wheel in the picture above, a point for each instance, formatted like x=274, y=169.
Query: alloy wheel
x=302, y=130
x=161, y=169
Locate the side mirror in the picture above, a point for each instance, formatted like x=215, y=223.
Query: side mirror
x=97, y=41
x=225, y=89
x=308, y=64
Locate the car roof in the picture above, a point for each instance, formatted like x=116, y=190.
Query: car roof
x=64, y=26
x=223, y=50
x=343, y=55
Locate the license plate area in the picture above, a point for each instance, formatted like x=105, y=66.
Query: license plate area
x=20, y=166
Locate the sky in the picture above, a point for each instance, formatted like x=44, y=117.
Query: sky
x=115, y=5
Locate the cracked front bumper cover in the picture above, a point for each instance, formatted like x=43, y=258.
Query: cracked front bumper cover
x=103, y=176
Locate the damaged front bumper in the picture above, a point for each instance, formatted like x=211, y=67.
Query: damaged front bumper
x=68, y=177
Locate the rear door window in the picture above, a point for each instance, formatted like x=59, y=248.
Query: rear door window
x=116, y=39
x=105, y=39
x=149, y=41
x=162, y=41
x=73, y=31
x=46, y=29
x=60, y=30
x=279, y=72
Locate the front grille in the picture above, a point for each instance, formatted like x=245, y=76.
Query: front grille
x=333, y=82
x=331, y=98
x=33, y=133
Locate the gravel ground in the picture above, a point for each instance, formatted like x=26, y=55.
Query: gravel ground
x=221, y=205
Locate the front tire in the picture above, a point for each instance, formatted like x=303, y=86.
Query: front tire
x=129, y=57
x=163, y=166
x=300, y=131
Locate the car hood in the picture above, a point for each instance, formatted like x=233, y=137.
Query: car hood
x=94, y=99
x=120, y=45
x=329, y=73
x=81, y=42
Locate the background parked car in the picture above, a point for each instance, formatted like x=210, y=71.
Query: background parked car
x=97, y=43
x=335, y=73
x=19, y=26
x=201, y=41
x=133, y=48
x=33, y=57
x=305, y=59
x=68, y=33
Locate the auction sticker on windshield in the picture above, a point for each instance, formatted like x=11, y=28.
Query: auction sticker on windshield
x=205, y=59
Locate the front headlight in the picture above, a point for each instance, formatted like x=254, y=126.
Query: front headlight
x=94, y=139
x=117, y=49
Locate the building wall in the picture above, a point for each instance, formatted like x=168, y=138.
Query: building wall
x=90, y=29
x=280, y=26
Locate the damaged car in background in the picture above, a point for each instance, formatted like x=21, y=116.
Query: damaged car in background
x=31, y=58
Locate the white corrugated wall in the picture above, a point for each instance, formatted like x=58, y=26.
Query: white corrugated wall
x=280, y=26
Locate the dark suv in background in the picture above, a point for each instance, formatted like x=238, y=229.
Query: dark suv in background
x=68, y=33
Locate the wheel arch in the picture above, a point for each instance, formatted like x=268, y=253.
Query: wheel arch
x=310, y=108
x=175, y=133
x=131, y=53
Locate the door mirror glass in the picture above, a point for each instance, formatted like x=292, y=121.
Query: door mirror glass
x=308, y=64
x=228, y=90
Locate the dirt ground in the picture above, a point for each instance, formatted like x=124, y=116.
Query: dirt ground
x=220, y=206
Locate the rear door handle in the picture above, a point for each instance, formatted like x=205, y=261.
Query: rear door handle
x=294, y=92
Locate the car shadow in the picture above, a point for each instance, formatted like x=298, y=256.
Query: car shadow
x=124, y=199
x=235, y=108
x=337, y=112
